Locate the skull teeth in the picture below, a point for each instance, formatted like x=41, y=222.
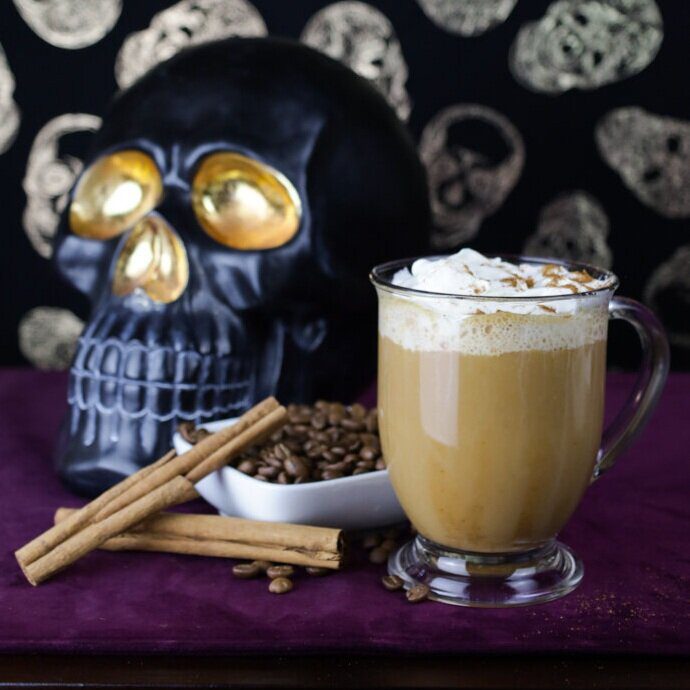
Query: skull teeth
x=160, y=383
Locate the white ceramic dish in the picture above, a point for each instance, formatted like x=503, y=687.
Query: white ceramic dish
x=359, y=502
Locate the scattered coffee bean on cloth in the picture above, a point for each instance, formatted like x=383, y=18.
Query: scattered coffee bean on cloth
x=281, y=585
x=391, y=582
x=417, y=593
x=327, y=440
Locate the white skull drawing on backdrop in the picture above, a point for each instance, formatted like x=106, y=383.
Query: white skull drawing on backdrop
x=585, y=44
x=50, y=174
x=467, y=17
x=188, y=22
x=474, y=157
x=9, y=112
x=361, y=37
x=70, y=23
x=48, y=337
x=651, y=153
x=668, y=293
x=573, y=226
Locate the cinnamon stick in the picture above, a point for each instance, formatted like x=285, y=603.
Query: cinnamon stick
x=229, y=537
x=54, y=536
x=167, y=482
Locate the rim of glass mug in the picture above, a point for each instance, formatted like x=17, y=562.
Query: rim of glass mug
x=381, y=276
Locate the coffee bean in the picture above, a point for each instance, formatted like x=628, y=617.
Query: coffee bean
x=260, y=478
x=331, y=474
x=372, y=423
x=338, y=451
x=358, y=411
x=190, y=433
x=389, y=544
x=280, y=571
x=366, y=465
x=378, y=556
x=371, y=540
x=334, y=418
x=296, y=467
x=268, y=472
x=359, y=470
x=380, y=464
x=263, y=566
x=368, y=453
x=281, y=451
x=273, y=461
x=417, y=593
x=313, y=571
x=245, y=571
x=391, y=582
x=352, y=425
x=247, y=466
x=319, y=421
x=281, y=585
x=282, y=478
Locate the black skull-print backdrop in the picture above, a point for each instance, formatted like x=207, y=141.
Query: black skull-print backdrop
x=553, y=127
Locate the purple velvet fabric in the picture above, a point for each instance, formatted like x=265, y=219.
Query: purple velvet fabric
x=632, y=531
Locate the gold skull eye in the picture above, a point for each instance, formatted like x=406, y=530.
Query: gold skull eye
x=244, y=204
x=114, y=193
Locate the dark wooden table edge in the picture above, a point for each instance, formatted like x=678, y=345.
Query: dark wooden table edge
x=344, y=671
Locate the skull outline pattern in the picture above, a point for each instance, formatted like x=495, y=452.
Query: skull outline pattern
x=585, y=45
x=572, y=226
x=70, y=24
x=651, y=154
x=49, y=177
x=668, y=292
x=186, y=23
x=469, y=17
x=48, y=337
x=364, y=39
x=466, y=185
x=10, y=115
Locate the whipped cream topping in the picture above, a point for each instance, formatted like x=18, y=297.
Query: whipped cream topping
x=470, y=273
x=486, y=327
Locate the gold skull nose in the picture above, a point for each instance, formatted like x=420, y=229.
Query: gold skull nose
x=152, y=259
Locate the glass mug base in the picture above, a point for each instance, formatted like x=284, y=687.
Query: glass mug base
x=487, y=580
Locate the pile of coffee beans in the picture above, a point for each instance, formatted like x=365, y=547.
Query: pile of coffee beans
x=279, y=574
x=327, y=440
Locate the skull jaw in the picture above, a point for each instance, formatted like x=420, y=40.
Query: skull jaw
x=88, y=470
x=126, y=397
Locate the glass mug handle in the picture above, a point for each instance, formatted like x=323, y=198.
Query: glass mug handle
x=650, y=382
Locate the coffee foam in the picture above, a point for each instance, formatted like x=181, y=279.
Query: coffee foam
x=486, y=327
x=426, y=327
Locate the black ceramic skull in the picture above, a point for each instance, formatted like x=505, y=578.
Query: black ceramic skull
x=223, y=229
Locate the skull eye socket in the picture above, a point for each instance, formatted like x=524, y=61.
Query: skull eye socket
x=245, y=204
x=114, y=193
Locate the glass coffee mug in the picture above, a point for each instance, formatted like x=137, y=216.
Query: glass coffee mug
x=491, y=414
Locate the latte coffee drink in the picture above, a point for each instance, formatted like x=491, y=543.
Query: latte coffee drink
x=491, y=397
